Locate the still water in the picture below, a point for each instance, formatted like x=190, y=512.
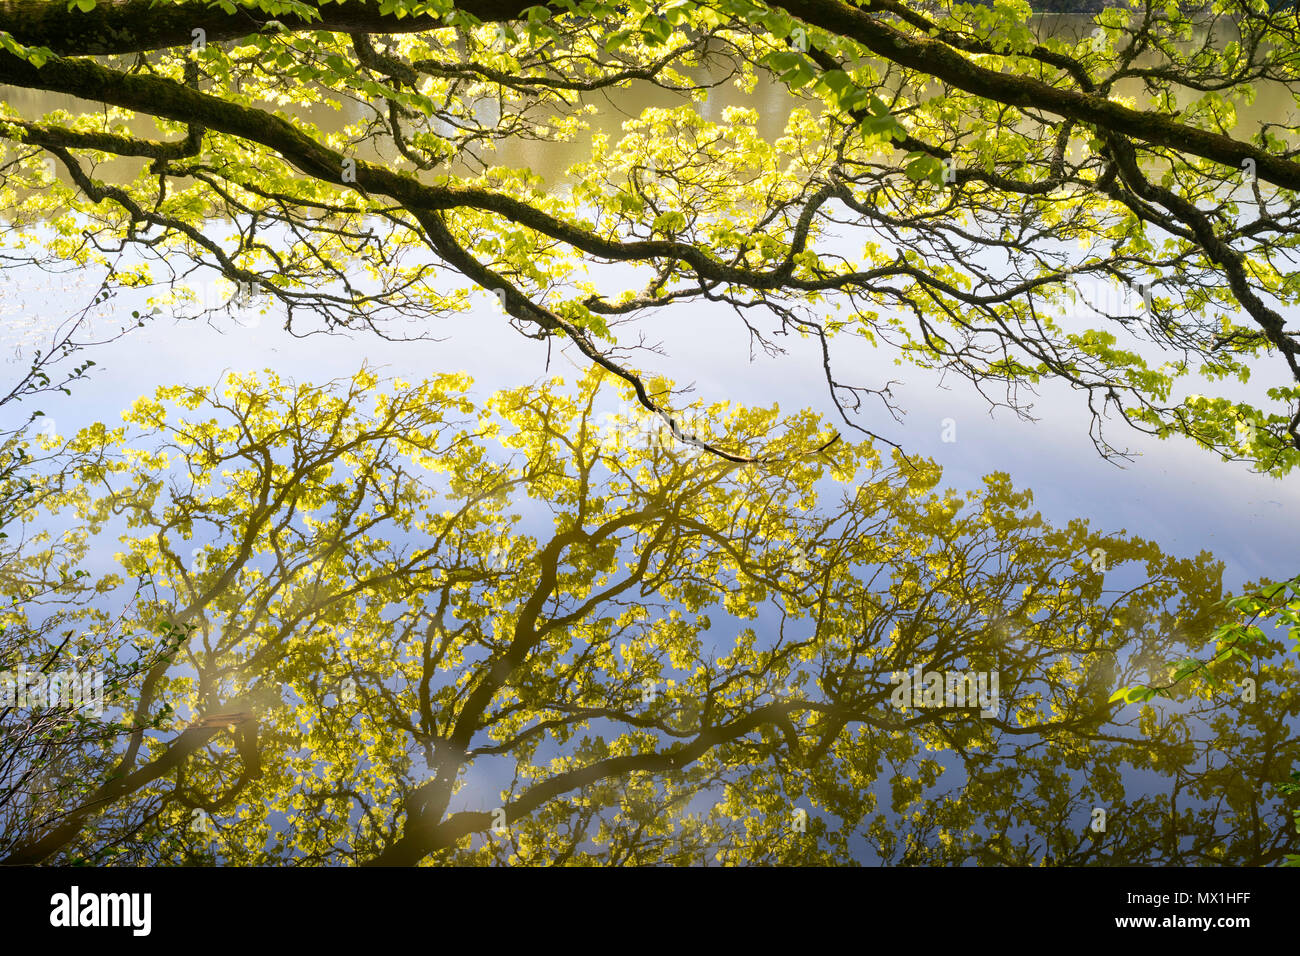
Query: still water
x=1205, y=796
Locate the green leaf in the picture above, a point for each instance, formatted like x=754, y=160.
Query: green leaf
x=836, y=81
x=923, y=168
x=792, y=68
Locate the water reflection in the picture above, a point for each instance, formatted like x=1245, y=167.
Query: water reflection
x=380, y=624
x=665, y=659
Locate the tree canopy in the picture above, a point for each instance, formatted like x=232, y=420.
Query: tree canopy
x=352, y=601
x=951, y=177
x=372, y=621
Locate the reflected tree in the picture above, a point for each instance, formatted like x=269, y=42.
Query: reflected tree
x=383, y=624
